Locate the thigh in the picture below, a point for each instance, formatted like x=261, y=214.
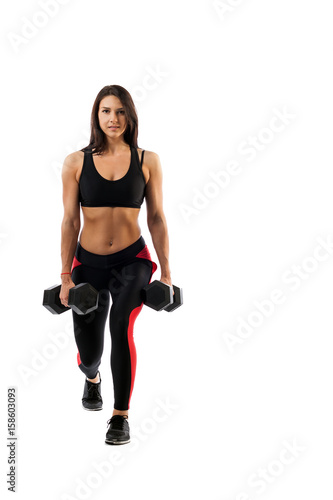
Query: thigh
x=126, y=283
x=89, y=328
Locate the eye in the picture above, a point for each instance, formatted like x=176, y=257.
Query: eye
x=105, y=110
x=122, y=112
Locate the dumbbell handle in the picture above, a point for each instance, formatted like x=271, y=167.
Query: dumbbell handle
x=177, y=299
x=51, y=299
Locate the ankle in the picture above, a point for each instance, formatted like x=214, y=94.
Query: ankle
x=119, y=412
x=95, y=380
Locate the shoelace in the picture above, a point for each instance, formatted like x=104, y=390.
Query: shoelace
x=93, y=392
x=117, y=423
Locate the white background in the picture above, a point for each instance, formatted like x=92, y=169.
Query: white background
x=205, y=80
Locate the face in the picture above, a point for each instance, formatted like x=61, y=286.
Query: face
x=112, y=114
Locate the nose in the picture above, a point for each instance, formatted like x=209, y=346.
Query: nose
x=113, y=117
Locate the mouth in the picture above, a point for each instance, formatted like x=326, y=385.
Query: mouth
x=113, y=128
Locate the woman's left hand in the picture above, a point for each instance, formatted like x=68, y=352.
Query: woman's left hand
x=167, y=280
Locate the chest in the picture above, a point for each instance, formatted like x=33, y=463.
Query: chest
x=114, y=168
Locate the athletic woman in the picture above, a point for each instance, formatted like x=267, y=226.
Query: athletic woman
x=110, y=178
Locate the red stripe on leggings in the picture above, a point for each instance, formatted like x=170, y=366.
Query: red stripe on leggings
x=145, y=254
x=78, y=359
x=130, y=337
x=75, y=263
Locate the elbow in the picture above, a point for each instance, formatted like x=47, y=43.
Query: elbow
x=156, y=219
x=75, y=224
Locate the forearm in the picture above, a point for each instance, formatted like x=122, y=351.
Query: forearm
x=69, y=236
x=159, y=233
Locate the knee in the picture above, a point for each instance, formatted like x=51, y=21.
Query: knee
x=89, y=359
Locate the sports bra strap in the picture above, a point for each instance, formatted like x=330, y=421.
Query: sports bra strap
x=143, y=152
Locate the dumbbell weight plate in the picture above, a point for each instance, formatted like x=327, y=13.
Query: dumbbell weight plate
x=177, y=299
x=83, y=298
x=51, y=300
x=157, y=295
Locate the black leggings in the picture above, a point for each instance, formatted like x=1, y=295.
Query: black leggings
x=122, y=274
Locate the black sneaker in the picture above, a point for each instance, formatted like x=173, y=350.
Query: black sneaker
x=118, y=432
x=92, y=399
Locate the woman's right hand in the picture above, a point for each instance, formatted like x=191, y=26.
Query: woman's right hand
x=64, y=291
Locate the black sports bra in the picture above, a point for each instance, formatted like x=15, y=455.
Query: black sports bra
x=96, y=191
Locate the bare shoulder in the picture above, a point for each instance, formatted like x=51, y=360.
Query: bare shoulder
x=150, y=159
x=151, y=166
x=74, y=159
x=73, y=164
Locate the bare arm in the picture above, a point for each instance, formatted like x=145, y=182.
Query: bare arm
x=70, y=226
x=156, y=220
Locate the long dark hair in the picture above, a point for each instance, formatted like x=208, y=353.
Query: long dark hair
x=98, y=141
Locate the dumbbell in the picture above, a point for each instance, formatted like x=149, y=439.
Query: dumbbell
x=82, y=298
x=159, y=296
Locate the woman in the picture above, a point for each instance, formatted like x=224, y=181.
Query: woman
x=110, y=179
